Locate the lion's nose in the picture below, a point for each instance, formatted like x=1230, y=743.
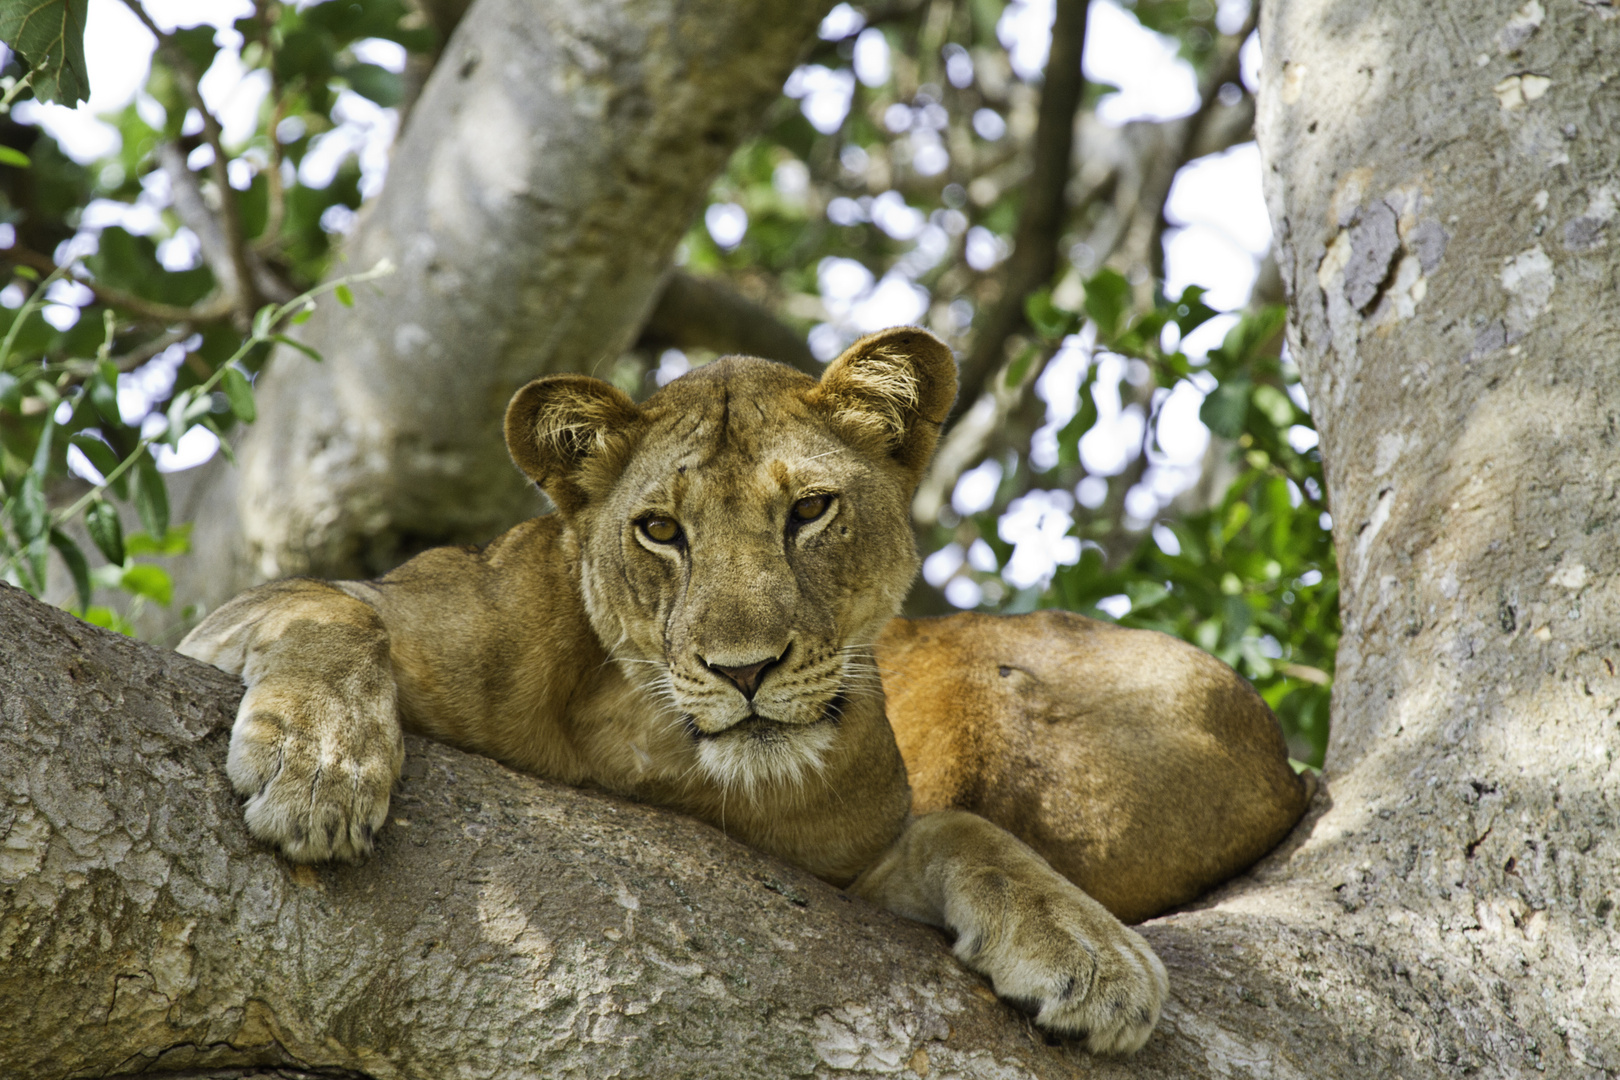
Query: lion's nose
x=745, y=677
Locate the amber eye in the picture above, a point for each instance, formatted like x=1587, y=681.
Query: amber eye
x=810, y=507
x=660, y=530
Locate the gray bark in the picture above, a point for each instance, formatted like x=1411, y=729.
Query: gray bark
x=557, y=154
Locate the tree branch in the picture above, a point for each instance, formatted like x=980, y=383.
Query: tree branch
x=208, y=311
x=1145, y=240
x=239, y=282
x=705, y=313
x=1040, y=222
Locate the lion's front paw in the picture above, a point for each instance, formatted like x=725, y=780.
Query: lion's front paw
x=1046, y=943
x=317, y=766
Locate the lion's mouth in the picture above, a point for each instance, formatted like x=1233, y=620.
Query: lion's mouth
x=763, y=730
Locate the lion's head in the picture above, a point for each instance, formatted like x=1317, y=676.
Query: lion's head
x=744, y=535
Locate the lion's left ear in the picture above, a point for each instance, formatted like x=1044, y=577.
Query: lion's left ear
x=891, y=391
x=562, y=428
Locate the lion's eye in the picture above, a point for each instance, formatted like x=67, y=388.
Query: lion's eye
x=810, y=507
x=660, y=530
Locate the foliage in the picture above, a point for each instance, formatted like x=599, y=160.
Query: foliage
x=152, y=316
x=888, y=183
x=1252, y=578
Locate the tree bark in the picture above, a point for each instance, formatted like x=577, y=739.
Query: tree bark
x=557, y=154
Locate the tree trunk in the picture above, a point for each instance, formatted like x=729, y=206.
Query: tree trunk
x=556, y=156
x=1447, y=909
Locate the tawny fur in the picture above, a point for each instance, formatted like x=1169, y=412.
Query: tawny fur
x=582, y=648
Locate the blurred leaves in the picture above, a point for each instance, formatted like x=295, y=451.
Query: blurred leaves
x=76, y=473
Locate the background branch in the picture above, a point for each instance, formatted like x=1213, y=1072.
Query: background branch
x=1034, y=257
x=208, y=311
x=234, y=269
x=694, y=312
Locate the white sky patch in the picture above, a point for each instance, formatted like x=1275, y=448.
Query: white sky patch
x=1182, y=436
x=1154, y=83
x=938, y=568
x=976, y=488
x=984, y=249
x=824, y=95
x=1059, y=387
x=871, y=57
x=890, y=213
x=727, y=224
x=1037, y=525
x=388, y=55
x=234, y=95
x=840, y=22
x=1224, y=230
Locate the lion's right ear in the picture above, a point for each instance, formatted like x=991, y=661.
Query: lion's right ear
x=562, y=428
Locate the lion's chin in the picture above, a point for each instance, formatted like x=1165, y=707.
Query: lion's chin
x=759, y=753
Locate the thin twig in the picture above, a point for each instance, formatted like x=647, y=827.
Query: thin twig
x=208, y=311
x=1228, y=68
x=247, y=298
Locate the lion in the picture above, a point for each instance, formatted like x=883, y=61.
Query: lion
x=697, y=625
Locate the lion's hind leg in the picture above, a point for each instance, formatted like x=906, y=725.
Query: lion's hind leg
x=317, y=745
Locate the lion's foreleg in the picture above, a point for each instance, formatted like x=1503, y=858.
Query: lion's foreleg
x=317, y=745
x=1038, y=937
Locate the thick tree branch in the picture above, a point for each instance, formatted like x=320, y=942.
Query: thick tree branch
x=705, y=313
x=1040, y=221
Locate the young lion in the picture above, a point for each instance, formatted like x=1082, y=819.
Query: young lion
x=694, y=627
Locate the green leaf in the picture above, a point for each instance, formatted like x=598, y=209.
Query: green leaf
x=283, y=339
x=152, y=582
x=1108, y=298
x=103, y=390
x=101, y=522
x=264, y=321
x=15, y=158
x=1190, y=311
x=1048, y=320
x=108, y=619
x=1020, y=367
x=379, y=84
x=1226, y=408
x=240, y=394
x=177, y=541
x=29, y=511
x=151, y=498
x=75, y=561
x=1276, y=405
x=50, y=36
x=345, y=295
x=103, y=458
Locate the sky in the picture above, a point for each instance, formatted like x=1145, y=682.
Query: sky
x=1219, y=231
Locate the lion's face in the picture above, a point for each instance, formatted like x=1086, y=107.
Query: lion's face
x=744, y=536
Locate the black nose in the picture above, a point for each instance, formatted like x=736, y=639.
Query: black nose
x=745, y=677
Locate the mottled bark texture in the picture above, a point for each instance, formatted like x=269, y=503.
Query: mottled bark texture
x=557, y=154
x=1443, y=180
